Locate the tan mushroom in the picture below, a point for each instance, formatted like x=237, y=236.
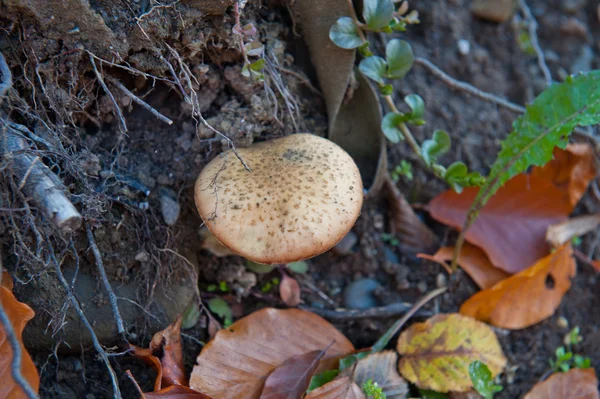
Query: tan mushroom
x=302, y=195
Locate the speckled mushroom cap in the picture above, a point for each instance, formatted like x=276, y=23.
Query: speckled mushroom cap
x=302, y=195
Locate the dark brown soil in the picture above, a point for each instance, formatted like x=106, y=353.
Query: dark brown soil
x=108, y=171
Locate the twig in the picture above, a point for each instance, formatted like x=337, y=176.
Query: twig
x=533, y=25
x=111, y=294
x=320, y=293
x=122, y=124
x=404, y=128
x=15, y=364
x=86, y=323
x=6, y=82
x=458, y=85
x=395, y=309
x=196, y=340
x=139, y=101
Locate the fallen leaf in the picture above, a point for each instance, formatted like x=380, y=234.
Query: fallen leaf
x=381, y=368
x=165, y=355
x=561, y=233
x=511, y=228
x=473, y=261
x=436, y=354
x=18, y=314
x=238, y=360
x=527, y=297
x=289, y=291
x=340, y=388
x=5, y=280
x=574, y=384
x=175, y=392
x=413, y=234
x=291, y=379
x=571, y=170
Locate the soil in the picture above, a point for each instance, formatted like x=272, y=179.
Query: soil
x=134, y=187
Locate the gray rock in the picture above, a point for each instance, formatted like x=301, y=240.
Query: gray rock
x=583, y=63
x=360, y=294
x=493, y=10
x=344, y=247
x=169, y=206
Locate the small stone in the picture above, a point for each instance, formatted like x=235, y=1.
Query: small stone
x=142, y=256
x=422, y=286
x=441, y=280
x=344, y=247
x=90, y=396
x=464, y=47
x=572, y=6
x=165, y=179
x=359, y=294
x=583, y=63
x=574, y=27
x=562, y=322
x=493, y=10
x=378, y=221
x=169, y=206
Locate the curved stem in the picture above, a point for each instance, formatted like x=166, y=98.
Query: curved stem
x=358, y=24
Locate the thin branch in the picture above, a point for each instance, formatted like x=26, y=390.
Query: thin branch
x=458, y=85
x=111, y=294
x=122, y=124
x=533, y=25
x=395, y=309
x=15, y=364
x=139, y=101
x=101, y=352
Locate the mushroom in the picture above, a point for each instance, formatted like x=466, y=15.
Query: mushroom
x=300, y=198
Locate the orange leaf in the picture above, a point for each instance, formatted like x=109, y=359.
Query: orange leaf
x=527, y=297
x=574, y=384
x=19, y=314
x=571, y=170
x=341, y=388
x=511, y=228
x=236, y=363
x=170, y=365
x=176, y=392
x=473, y=261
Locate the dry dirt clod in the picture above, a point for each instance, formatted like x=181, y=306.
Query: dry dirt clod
x=494, y=10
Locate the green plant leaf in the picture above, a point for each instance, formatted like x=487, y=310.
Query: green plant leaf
x=546, y=124
x=300, y=267
x=344, y=34
x=481, y=377
x=349, y=360
x=399, y=57
x=221, y=308
x=257, y=65
x=427, y=394
x=191, y=315
x=259, y=268
x=389, y=126
x=582, y=362
x=318, y=380
x=433, y=148
x=374, y=68
x=457, y=175
x=378, y=13
x=417, y=105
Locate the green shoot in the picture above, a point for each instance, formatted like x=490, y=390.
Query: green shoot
x=372, y=390
x=482, y=380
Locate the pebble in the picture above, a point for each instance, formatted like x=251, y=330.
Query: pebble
x=562, y=322
x=574, y=27
x=493, y=10
x=142, y=256
x=583, y=63
x=464, y=47
x=422, y=286
x=169, y=206
x=344, y=247
x=359, y=294
x=441, y=280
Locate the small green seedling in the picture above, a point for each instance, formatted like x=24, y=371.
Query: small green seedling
x=404, y=168
x=318, y=380
x=268, y=286
x=562, y=361
x=300, y=267
x=390, y=239
x=565, y=359
x=482, y=380
x=372, y=390
x=221, y=308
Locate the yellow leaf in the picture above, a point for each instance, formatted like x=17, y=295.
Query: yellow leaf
x=436, y=354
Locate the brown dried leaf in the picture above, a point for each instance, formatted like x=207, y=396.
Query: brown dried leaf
x=239, y=359
x=291, y=379
x=340, y=388
x=561, y=233
x=527, y=297
x=412, y=233
x=18, y=314
x=169, y=366
x=175, y=392
x=574, y=384
x=289, y=291
x=381, y=368
x=473, y=261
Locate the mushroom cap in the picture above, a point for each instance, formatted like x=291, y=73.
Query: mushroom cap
x=302, y=195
